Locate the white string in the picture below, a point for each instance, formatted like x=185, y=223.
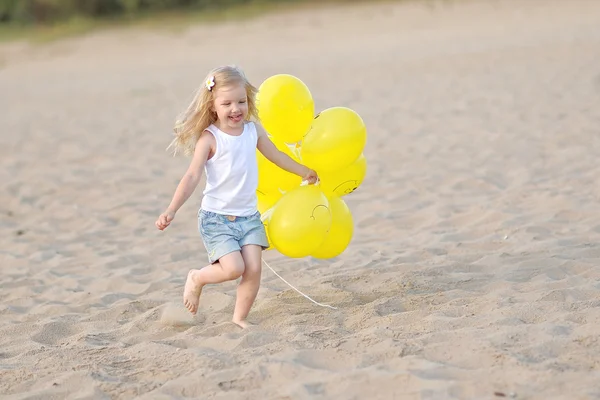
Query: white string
x=305, y=183
x=317, y=303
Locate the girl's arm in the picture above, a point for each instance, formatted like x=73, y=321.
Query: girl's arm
x=192, y=176
x=190, y=179
x=279, y=158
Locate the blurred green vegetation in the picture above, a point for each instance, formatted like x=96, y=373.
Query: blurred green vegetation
x=46, y=20
x=53, y=11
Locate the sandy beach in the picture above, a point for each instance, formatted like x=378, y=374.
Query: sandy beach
x=474, y=271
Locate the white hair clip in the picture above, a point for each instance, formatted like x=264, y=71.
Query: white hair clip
x=210, y=83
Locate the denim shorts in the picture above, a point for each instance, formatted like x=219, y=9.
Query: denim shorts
x=223, y=234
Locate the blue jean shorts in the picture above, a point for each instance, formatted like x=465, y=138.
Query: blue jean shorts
x=224, y=234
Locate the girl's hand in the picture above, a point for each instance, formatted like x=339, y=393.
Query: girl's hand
x=164, y=219
x=311, y=176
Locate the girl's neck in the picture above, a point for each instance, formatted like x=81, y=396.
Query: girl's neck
x=229, y=130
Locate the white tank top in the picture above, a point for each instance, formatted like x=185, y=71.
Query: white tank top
x=232, y=173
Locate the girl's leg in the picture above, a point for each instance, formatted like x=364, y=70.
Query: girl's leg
x=248, y=287
x=229, y=267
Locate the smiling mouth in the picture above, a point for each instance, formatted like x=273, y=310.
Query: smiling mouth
x=348, y=186
x=236, y=118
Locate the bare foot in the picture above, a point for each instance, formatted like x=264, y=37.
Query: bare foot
x=242, y=323
x=192, y=291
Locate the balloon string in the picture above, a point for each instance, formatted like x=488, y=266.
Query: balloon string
x=317, y=303
x=305, y=183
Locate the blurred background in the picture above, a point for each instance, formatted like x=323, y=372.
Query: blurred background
x=473, y=265
x=53, y=11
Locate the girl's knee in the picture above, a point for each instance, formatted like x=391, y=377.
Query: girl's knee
x=252, y=269
x=234, y=268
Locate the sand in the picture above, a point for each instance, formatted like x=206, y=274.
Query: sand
x=474, y=269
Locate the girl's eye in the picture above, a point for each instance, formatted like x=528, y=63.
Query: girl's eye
x=243, y=101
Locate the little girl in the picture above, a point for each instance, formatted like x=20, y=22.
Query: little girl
x=217, y=132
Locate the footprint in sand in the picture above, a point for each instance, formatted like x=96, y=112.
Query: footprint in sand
x=173, y=315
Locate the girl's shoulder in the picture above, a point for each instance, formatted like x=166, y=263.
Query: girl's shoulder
x=258, y=127
x=252, y=127
x=212, y=128
x=213, y=131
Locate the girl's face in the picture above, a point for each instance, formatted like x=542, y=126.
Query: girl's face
x=231, y=106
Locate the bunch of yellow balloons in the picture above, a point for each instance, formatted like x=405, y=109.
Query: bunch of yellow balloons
x=308, y=220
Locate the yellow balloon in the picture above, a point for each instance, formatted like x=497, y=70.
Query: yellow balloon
x=285, y=107
x=265, y=201
x=295, y=149
x=271, y=178
x=335, y=140
x=300, y=221
x=344, y=181
x=340, y=233
x=265, y=204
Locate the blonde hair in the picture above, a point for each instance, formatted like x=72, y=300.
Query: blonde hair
x=199, y=115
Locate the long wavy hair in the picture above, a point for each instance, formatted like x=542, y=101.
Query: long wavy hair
x=200, y=113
